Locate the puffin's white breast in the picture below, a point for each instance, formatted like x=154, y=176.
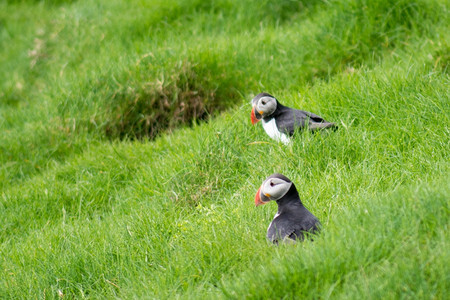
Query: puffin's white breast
x=272, y=130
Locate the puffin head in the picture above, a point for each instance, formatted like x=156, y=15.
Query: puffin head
x=263, y=105
x=273, y=188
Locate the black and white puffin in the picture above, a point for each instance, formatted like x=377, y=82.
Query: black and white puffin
x=280, y=121
x=292, y=219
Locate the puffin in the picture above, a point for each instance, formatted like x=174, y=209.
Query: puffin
x=280, y=122
x=293, y=219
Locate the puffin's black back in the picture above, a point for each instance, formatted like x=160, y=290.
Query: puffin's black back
x=289, y=119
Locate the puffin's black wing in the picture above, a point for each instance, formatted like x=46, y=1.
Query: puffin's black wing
x=288, y=120
x=286, y=227
x=311, y=227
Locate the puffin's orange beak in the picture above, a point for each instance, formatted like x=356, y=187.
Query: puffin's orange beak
x=258, y=201
x=253, y=117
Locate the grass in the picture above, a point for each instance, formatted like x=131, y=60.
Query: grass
x=104, y=195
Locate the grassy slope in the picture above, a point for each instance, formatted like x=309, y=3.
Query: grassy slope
x=87, y=216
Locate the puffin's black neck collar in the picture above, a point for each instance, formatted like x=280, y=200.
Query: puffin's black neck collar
x=291, y=197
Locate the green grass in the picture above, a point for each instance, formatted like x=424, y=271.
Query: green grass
x=113, y=186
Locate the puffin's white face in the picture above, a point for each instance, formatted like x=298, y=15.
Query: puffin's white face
x=272, y=189
x=262, y=107
x=265, y=106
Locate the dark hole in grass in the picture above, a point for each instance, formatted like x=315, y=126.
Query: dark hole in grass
x=190, y=93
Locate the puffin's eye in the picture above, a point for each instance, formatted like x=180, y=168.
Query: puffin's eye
x=271, y=183
x=263, y=102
